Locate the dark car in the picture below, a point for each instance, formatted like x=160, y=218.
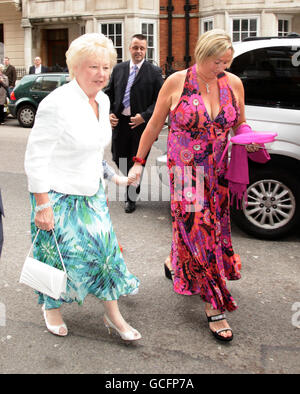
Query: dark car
x=30, y=91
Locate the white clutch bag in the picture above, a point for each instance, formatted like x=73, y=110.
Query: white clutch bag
x=43, y=277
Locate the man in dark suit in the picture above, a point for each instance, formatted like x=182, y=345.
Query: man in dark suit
x=38, y=68
x=11, y=74
x=133, y=90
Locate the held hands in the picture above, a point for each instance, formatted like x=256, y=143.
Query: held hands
x=135, y=173
x=124, y=180
x=132, y=180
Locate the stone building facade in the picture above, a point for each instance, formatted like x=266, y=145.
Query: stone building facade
x=45, y=28
x=240, y=18
x=11, y=31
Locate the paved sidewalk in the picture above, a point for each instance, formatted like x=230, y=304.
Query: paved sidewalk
x=176, y=339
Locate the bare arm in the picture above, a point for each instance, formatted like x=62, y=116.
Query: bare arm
x=155, y=125
x=152, y=129
x=239, y=93
x=168, y=97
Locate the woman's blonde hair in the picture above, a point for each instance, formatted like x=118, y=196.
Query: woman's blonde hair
x=213, y=43
x=90, y=44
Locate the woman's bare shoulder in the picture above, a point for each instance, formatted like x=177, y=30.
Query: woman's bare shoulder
x=177, y=76
x=175, y=81
x=234, y=80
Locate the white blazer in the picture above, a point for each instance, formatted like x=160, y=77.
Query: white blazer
x=66, y=145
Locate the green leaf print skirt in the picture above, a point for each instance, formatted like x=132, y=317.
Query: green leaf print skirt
x=88, y=246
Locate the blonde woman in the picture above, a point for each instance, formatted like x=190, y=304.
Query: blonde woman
x=203, y=104
x=64, y=166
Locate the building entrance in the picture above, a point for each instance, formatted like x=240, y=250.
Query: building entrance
x=57, y=45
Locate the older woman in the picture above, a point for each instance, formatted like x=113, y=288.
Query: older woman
x=204, y=103
x=64, y=166
x=3, y=92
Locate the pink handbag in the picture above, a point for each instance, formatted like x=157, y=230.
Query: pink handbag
x=237, y=174
x=261, y=156
x=253, y=138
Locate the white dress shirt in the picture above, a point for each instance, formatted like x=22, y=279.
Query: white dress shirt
x=38, y=69
x=127, y=111
x=66, y=145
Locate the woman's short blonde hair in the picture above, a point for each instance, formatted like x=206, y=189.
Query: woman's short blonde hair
x=2, y=67
x=213, y=43
x=90, y=44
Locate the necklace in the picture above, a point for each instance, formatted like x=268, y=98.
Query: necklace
x=205, y=83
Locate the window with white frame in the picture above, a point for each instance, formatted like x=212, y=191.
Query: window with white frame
x=149, y=30
x=114, y=31
x=283, y=26
x=207, y=24
x=243, y=27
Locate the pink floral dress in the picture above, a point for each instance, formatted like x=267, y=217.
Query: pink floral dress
x=202, y=255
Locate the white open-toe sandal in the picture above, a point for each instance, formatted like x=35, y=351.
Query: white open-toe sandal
x=131, y=335
x=54, y=329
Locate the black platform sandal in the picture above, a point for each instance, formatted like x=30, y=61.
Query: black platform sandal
x=169, y=273
x=216, y=334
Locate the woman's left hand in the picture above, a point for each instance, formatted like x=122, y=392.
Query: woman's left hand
x=252, y=148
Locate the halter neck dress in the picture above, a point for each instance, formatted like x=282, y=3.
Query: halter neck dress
x=202, y=256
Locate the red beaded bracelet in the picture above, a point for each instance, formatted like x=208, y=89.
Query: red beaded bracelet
x=139, y=160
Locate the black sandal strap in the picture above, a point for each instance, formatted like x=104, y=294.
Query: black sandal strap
x=169, y=272
x=215, y=318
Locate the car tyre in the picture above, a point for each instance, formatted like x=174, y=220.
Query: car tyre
x=273, y=208
x=26, y=115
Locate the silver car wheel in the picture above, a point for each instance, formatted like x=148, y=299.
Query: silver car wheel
x=271, y=204
x=27, y=116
